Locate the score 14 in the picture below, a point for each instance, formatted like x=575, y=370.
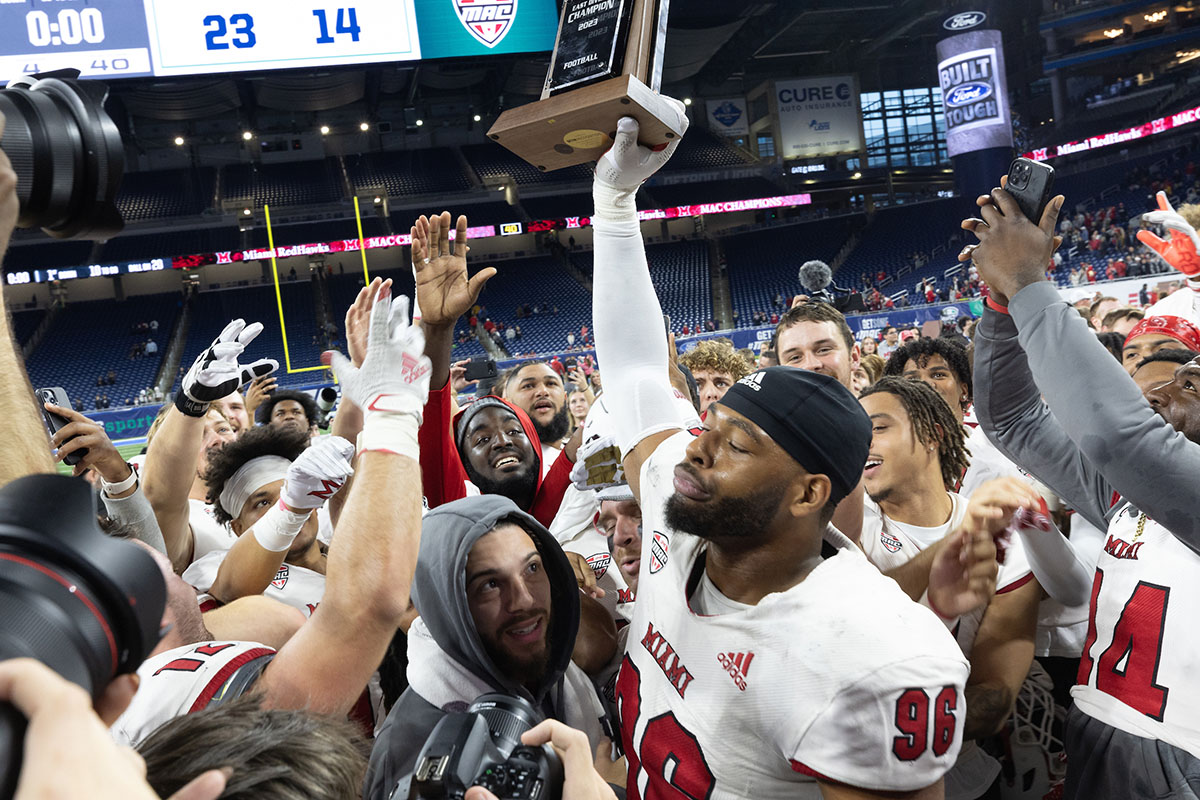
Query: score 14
x=241, y=26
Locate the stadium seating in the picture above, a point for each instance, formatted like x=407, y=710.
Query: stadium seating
x=764, y=263
x=493, y=161
x=701, y=149
x=539, y=280
x=166, y=193
x=211, y=311
x=304, y=183
x=679, y=271
x=408, y=172
x=26, y=322
x=892, y=237
x=89, y=339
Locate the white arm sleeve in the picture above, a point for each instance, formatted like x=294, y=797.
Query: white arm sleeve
x=1057, y=565
x=631, y=344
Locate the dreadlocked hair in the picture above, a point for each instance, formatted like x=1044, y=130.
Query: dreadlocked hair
x=224, y=461
x=933, y=423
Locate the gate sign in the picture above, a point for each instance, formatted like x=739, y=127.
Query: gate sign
x=974, y=92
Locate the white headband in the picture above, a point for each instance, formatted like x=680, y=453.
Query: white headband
x=253, y=475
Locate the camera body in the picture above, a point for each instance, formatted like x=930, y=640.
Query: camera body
x=482, y=747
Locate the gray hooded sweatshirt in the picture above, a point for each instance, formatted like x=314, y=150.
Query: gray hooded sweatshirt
x=448, y=666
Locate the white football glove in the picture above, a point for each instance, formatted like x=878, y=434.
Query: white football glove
x=216, y=372
x=320, y=471
x=627, y=165
x=392, y=384
x=598, y=464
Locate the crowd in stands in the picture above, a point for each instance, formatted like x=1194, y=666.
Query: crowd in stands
x=954, y=562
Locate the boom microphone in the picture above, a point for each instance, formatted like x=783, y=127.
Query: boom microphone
x=815, y=275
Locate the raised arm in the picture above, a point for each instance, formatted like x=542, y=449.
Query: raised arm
x=626, y=315
x=170, y=468
x=444, y=292
x=27, y=447
x=254, y=560
x=1098, y=408
x=326, y=665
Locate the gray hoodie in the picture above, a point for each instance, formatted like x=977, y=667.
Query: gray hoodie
x=447, y=660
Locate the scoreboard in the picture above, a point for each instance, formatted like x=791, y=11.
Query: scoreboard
x=138, y=38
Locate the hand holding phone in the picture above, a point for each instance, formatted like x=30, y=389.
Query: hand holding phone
x=56, y=395
x=479, y=370
x=1031, y=183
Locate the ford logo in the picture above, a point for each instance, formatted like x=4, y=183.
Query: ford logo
x=967, y=19
x=967, y=93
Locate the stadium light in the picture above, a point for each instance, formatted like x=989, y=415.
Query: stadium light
x=378, y=199
x=420, y=122
x=324, y=129
x=1113, y=33
x=477, y=118
x=687, y=101
x=247, y=135
x=1157, y=16
x=364, y=126
x=246, y=212
x=179, y=140
x=856, y=175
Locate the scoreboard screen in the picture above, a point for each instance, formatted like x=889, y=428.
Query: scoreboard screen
x=137, y=38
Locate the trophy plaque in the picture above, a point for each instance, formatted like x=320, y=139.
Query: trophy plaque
x=607, y=64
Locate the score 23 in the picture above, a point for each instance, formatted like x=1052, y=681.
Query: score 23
x=243, y=36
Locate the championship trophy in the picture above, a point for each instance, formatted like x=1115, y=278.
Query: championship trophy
x=607, y=64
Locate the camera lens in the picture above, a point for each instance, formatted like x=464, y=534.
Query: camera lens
x=67, y=154
x=507, y=717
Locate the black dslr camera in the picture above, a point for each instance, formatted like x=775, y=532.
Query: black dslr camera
x=482, y=747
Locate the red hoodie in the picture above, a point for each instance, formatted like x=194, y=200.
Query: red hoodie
x=444, y=477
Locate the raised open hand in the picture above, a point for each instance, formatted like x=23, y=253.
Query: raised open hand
x=444, y=292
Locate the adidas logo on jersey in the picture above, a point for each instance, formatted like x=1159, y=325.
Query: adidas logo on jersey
x=737, y=665
x=753, y=380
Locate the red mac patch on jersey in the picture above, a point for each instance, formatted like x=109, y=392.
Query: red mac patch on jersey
x=281, y=577
x=658, y=551
x=599, y=563
x=890, y=542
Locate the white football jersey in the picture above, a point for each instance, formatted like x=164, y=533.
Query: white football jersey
x=840, y=678
x=208, y=535
x=296, y=586
x=888, y=544
x=1139, y=660
x=986, y=463
x=188, y=679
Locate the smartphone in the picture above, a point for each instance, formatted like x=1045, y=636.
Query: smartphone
x=570, y=364
x=479, y=370
x=56, y=422
x=1031, y=183
x=667, y=323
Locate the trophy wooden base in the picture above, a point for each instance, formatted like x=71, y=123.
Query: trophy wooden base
x=578, y=126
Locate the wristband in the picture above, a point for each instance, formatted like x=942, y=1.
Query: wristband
x=394, y=433
x=190, y=407
x=113, y=489
x=279, y=527
x=994, y=306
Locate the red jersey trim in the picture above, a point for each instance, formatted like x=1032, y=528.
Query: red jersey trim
x=224, y=674
x=804, y=769
x=994, y=306
x=1017, y=584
